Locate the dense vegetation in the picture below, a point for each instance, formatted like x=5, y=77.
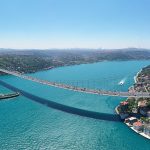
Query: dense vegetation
x=24, y=63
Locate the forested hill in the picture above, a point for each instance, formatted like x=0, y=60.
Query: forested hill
x=35, y=60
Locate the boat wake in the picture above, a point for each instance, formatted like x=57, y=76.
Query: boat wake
x=122, y=81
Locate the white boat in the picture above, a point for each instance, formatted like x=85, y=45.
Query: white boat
x=121, y=82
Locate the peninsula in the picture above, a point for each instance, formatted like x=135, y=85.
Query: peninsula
x=136, y=112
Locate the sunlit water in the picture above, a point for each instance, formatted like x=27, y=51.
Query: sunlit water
x=25, y=124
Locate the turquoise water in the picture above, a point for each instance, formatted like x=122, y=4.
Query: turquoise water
x=25, y=124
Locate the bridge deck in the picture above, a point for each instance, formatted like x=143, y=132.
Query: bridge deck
x=79, y=89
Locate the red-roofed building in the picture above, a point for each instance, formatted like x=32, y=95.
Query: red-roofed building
x=124, y=107
x=124, y=103
x=137, y=125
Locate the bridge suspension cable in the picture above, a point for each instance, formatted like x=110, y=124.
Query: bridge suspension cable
x=78, y=89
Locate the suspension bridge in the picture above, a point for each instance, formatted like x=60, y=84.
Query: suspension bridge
x=77, y=88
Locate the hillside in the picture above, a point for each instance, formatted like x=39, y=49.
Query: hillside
x=27, y=61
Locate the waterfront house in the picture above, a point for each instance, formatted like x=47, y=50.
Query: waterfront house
x=123, y=109
x=124, y=106
x=142, y=103
x=148, y=113
x=124, y=103
x=146, y=129
x=123, y=115
x=138, y=125
x=131, y=120
x=143, y=110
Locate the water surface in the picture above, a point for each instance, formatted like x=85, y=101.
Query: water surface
x=28, y=125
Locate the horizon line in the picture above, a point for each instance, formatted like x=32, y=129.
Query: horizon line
x=73, y=48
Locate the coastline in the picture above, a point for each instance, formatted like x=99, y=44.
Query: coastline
x=116, y=110
x=135, y=77
x=64, y=65
x=140, y=133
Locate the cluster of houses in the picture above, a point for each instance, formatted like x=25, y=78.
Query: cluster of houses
x=143, y=108
x=139, y=110
x=142, y=83
x=138, y=125
x=136, y=112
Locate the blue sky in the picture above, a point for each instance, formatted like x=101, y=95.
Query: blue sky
x=74, y=23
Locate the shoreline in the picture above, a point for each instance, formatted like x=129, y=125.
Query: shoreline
x=116, y=110
x=69, y=65
x=139, y=133
x=135, y=77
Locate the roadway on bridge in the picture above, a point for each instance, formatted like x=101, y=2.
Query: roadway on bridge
x=79, y=89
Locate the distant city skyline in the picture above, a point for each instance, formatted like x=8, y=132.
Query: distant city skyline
x=47, y=24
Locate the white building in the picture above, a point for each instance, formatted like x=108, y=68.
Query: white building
x=147, y=129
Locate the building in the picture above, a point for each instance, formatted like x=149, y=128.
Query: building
x=123, y=115
x=138, y=125
x=148, y=113
x=146, y=129
x=143, y=110
x=131, y=120
x=142, y=103
x=124, y=106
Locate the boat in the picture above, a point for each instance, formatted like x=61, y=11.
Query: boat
x=10, y=95
x=121, y=83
